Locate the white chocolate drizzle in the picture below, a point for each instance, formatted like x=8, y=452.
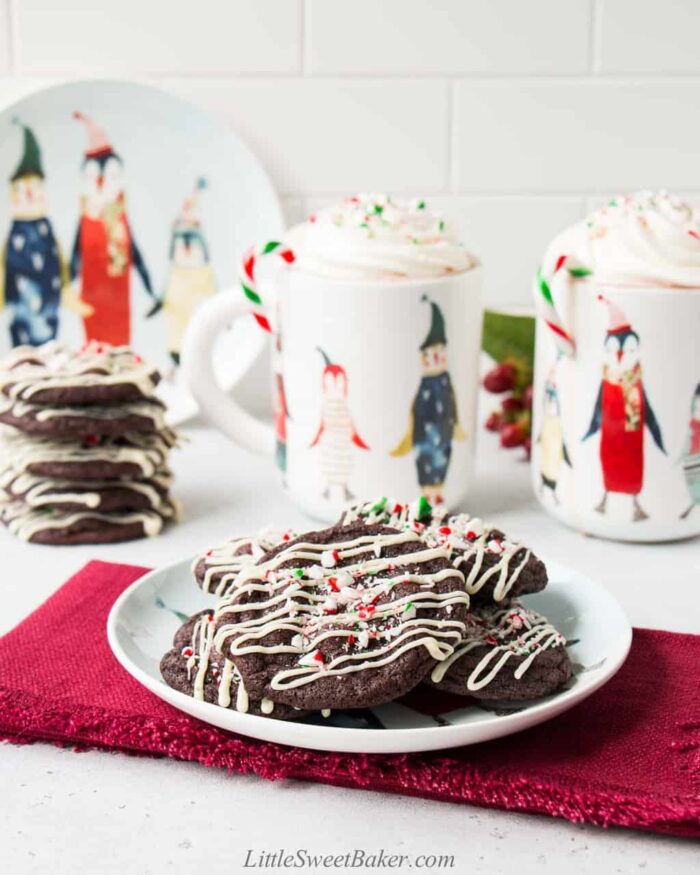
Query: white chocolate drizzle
x=199, y=660
x=36, y=491
x=467, y=538
x=26, y=523
x=95, y=413
x=29, y=370
x=147, y=452
x=347, y=592
x=510, y=633
x=223, y=563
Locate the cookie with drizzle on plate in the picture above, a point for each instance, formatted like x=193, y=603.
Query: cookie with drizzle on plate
x=496, y=568
x=508, y=653
x=347, y=617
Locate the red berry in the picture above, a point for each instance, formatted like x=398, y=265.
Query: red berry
x=512, y=404
x=501, y=378
x=527, y=397
x=512, y=435
x=494, y=422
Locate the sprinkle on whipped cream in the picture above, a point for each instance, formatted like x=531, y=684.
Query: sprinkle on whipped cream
x=645, y=238
x=371, y=236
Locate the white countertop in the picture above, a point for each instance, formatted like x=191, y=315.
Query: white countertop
x=98, y=812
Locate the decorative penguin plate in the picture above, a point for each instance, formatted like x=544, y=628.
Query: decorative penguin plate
x=126, y=208
x=144, y=618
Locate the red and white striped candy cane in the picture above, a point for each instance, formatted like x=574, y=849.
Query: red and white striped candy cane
x=247, y=276
x=546, y=307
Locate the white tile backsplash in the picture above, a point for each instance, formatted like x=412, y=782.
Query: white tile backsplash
x=159, y=36
x=582, y=136
x=652, y=36
x=337, y=135
x=5, y=38
x=449, y=36
x=515, y=117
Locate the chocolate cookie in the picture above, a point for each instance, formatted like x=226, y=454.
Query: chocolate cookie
x=96, y=373
x=77, y=422
x=347, y=617
x=101, y=495
x=216, y=570
x=495, y=567
x=508, y=653
x=194, y=667
x=130, y=456
x=50, y=526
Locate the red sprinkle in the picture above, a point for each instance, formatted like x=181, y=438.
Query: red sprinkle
x=333, y=583
x=351, y=640
x=445, y=530
x=187, y=651
x=397, y=508
x=318, y=656
x=91, y=439
x=285, y=536
x=471, y=536
x=491, y=639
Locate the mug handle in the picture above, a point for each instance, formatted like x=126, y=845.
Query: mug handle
x=570, y=269
x=211, y=319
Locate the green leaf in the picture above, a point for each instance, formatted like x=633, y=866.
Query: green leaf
x=508, y=336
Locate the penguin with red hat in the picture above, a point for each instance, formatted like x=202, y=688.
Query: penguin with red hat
x=622, y=411
x=336, y=436
x=105, y=250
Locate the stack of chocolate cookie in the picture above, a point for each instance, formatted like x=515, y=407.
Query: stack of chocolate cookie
x=84, y=448
x=357, y=615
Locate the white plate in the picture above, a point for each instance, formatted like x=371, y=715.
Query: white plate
x=143, y=619
x=166, y=146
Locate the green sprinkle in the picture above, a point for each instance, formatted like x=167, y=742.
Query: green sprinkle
x=364, y=225
x=580, y=271
x=299, y=572
x=378, y=505
x=422, y=508
x=271, y=246
x=378, y=209
x=409, y=606
x=441, y=225
x=421, y=205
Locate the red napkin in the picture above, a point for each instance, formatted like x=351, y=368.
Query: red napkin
x=629, y=755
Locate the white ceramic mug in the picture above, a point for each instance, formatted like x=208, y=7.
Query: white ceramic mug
x=374, y=385
x=616, y=417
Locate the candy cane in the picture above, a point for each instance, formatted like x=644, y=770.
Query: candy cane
x=563, y=339
x=247, y=275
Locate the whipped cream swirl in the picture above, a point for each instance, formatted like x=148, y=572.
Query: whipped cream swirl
x=371, y=237
x=646, y=238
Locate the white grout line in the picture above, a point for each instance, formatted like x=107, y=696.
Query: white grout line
x=599, y=80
